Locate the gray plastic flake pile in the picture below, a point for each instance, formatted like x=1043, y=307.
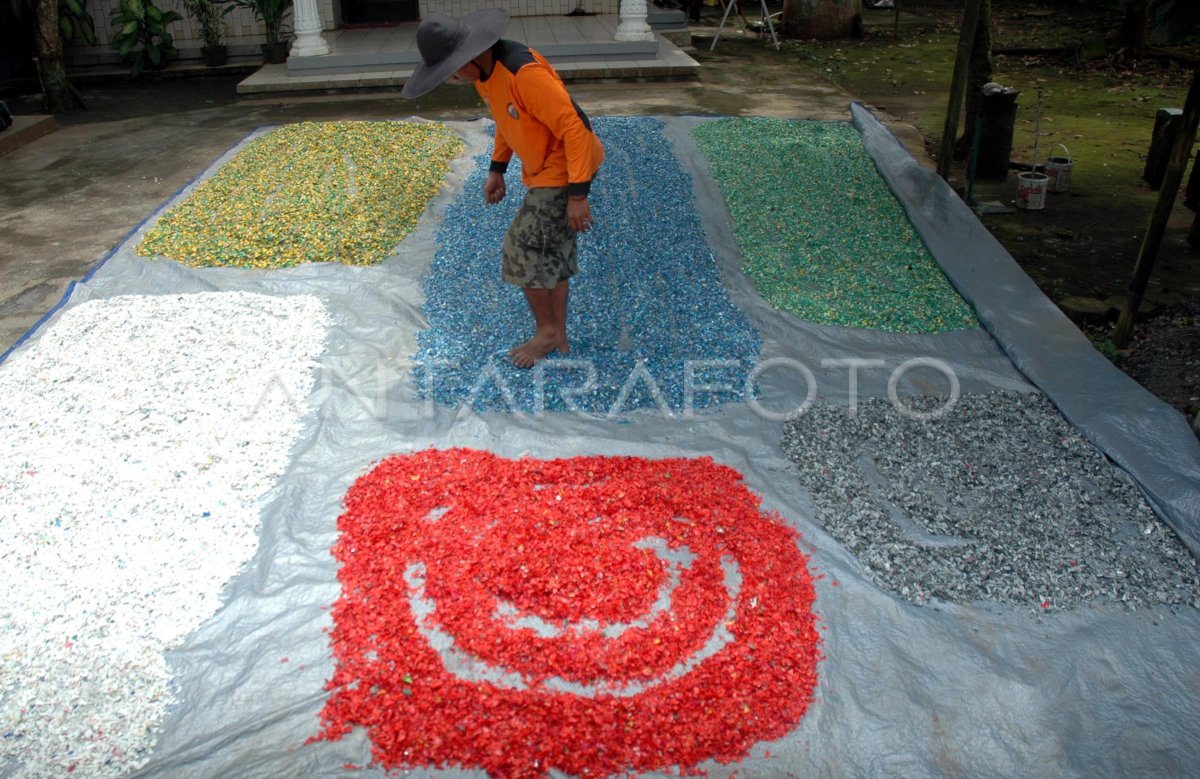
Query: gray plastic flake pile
x=996, y=500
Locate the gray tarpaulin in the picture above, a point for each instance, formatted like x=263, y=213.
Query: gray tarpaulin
x=1138, y=431
x=903, y=690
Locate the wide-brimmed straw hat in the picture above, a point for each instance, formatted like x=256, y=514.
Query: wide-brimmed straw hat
x=446, y=44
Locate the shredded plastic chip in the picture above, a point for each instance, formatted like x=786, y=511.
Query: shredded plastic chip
x=838, y=248
x=310, y=192
x=592, y=615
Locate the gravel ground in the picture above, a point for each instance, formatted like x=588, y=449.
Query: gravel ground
x=137, y=436
x=1165, y=357
x=997, y=500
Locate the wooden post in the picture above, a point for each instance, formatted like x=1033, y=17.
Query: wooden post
x=958, y=87
x=1191, y=199
x=1180, y=150
x=1167, y=122
x=1191, y=193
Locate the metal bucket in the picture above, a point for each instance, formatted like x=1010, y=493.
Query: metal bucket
x=1031, y=191
x=1058, y=170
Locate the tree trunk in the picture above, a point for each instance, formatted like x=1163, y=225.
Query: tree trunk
x=979, y=72
x=60, y=96
x=822, y=19
x=1134, y=31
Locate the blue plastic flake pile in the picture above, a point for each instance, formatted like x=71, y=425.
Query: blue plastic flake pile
x=821, y=236
x=650, y=324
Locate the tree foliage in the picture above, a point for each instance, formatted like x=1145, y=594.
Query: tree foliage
x=74, y=20
x=270, y=12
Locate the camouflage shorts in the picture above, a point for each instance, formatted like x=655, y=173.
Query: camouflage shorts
x=539, y=247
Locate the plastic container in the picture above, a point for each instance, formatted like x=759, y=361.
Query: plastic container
x=1058, y=169
x=1031, y=191
x=998, y=115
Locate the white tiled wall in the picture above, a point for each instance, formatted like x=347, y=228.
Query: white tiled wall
x=245, y=33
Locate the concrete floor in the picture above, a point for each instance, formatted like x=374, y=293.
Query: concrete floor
x=69, y=197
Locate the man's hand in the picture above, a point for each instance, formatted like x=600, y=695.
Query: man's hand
x=579, y=214
x=494, y=189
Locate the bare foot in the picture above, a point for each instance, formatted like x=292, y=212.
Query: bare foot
x=564, y=346
x=525, y=355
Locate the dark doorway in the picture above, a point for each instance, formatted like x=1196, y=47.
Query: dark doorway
x=380, y=11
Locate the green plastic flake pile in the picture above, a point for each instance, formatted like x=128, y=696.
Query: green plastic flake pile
x=821, y=235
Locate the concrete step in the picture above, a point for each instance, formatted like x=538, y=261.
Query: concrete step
x=25, y=129
x=672, y=65
x=397, y=59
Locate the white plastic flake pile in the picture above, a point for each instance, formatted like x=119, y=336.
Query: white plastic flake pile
x=137, y=436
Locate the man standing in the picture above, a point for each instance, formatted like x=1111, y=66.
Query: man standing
x=538, y=121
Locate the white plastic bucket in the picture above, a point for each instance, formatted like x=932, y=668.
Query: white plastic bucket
x=1058, y=169
x=1031, y=190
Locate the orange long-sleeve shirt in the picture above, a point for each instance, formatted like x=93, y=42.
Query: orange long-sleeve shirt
x=538, y=120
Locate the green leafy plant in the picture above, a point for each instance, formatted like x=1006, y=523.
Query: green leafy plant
x=73, y=19
x=270, y=12
x=142, y=33
x=1105, y=346
x=73, y=16
x=209, y=16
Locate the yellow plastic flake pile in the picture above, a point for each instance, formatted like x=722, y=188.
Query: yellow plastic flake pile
x=312, y=192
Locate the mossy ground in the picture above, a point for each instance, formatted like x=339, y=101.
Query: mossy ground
x=1101, y=109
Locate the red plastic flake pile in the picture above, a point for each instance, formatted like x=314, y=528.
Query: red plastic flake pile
x=551, y=575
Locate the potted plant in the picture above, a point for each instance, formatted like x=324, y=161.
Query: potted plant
x=271, y=13
x=208, y=15
x=141, y=33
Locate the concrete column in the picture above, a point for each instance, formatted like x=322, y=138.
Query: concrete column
x=309, y=41
x=633, y=26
